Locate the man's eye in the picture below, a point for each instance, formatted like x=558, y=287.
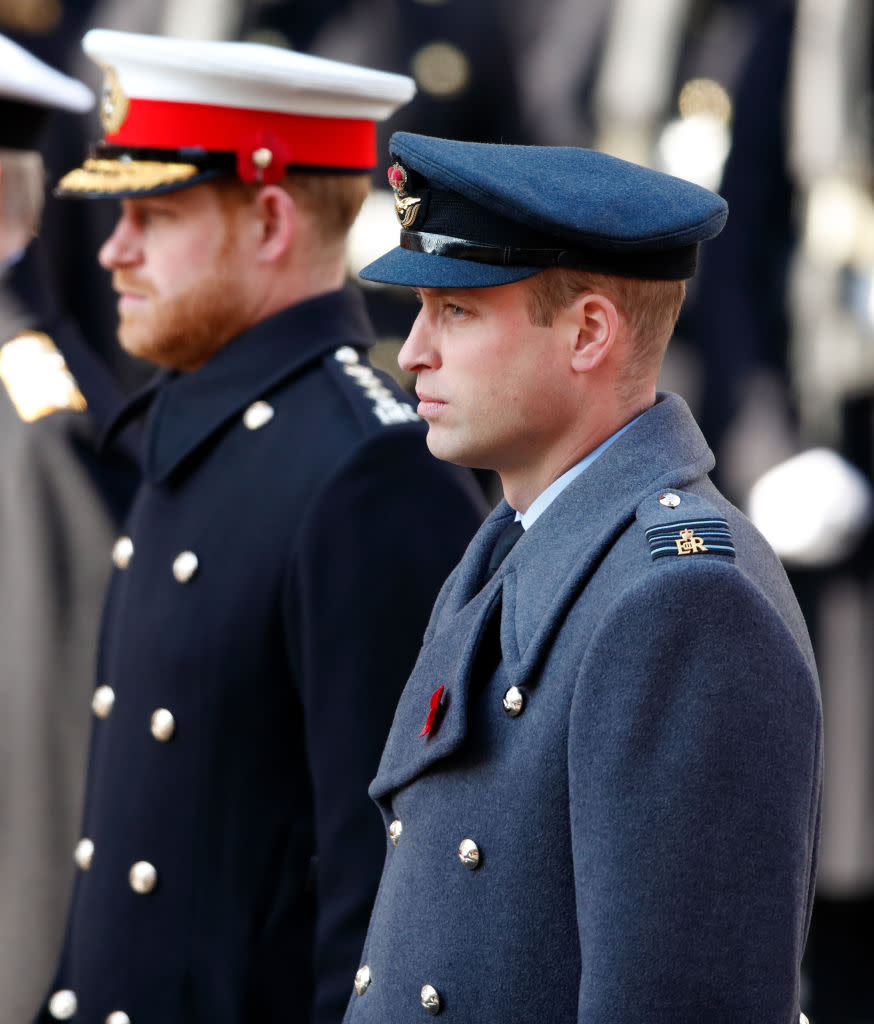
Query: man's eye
x=151, y=215
x=456, y=310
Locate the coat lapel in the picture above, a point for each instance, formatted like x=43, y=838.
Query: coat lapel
x=536, y=584
x=186, y=409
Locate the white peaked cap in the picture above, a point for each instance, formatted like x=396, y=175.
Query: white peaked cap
x=179, y=111
x=249, y=75
x=27, y=79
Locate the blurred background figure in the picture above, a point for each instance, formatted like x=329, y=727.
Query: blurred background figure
x=59, y=502
x=785, y=329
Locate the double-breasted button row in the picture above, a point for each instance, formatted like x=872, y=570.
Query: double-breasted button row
x=468, y=851
x=185, y=564
x=143, y=876
x=429, y=996
x=64, y=1004
x=162, y=724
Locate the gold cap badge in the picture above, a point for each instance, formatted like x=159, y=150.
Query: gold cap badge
x=114, y=104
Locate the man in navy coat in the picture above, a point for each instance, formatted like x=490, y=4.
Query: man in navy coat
x=268, y=598
x=601, y=788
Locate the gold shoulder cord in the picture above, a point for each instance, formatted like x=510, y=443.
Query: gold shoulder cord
x=36, y=377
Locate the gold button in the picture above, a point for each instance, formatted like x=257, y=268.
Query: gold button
x=430, y=999
x=163, y=725
x=468, y=854
x=84, y=853
x=258, y=415
x=362, y=980
x=395, y=831
x=143, y=877
x=63, y=1004
x=514, y=701
x=103, y=701
x=122, y=552
x=118, y=1017
x=670, y=500
x=185, y=566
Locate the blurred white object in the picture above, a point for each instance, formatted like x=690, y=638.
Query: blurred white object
x=812, y=508
x=694, y=148
x=374, y=232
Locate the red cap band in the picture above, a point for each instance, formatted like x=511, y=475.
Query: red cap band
x=308, y=141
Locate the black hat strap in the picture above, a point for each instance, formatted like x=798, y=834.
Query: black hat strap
x=674, y=264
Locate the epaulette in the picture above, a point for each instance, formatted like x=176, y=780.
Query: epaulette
x=384, y=405
x=36, y=377
x=677, y=524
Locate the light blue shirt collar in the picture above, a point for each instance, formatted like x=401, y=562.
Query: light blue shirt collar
x=543, y=500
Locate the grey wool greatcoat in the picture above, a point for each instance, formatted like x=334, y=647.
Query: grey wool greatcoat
x=614, y=816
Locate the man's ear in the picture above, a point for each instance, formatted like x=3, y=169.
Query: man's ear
x=275, y=222
x=596, y=319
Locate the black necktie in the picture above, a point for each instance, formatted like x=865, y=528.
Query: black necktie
x=503, y=544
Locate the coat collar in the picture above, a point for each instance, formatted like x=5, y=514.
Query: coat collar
x=186, y=409
x=538, y=581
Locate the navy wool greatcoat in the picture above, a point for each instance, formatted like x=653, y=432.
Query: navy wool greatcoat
x=269, y=597
x=613, y=818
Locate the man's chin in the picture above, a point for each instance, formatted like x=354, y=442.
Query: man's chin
x=441, y=447
x=140, y=343
x=134, y=341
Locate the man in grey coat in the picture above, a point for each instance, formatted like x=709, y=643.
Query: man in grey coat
x=601, y=788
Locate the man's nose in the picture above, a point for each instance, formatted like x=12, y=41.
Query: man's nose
x=418, y=351
x=122, y=248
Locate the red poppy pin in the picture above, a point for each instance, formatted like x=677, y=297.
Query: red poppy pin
x=435, y=708
x=397, y=178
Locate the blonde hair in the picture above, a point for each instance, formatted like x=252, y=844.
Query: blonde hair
x=22, y=190
x=650, y=308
